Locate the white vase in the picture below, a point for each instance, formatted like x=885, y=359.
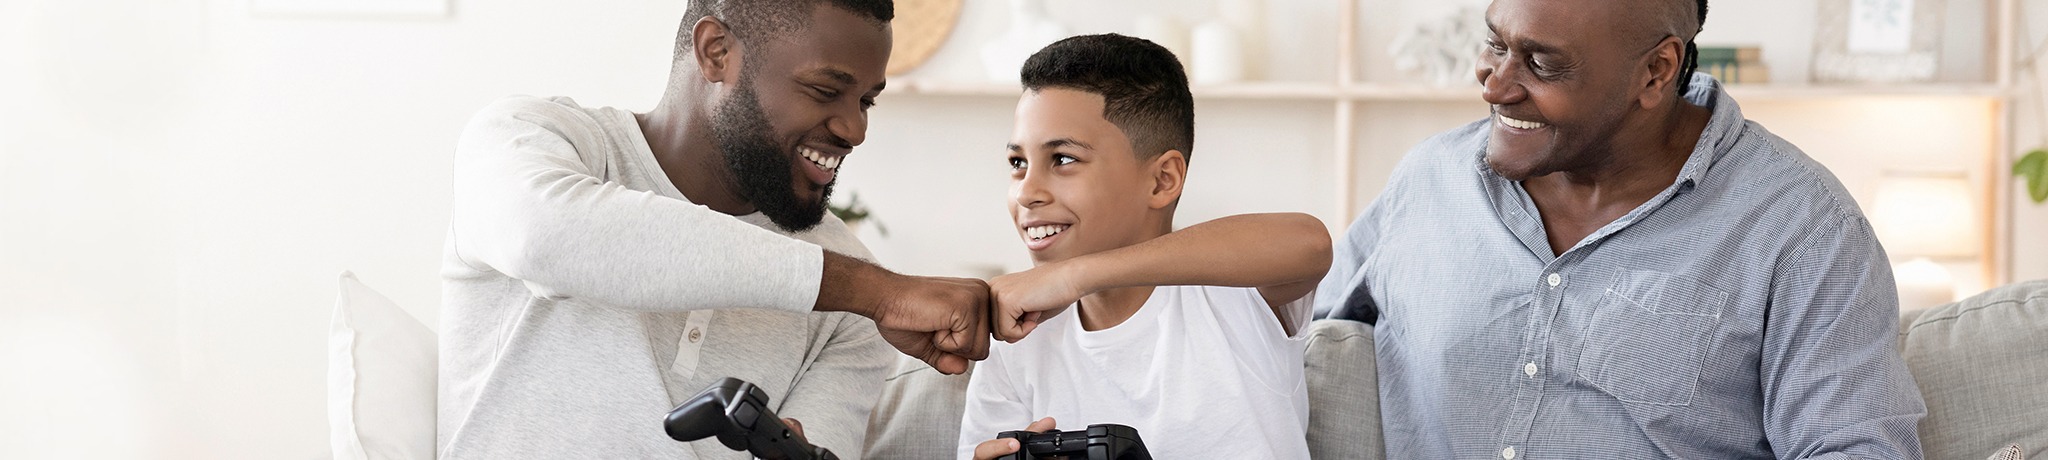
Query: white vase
x=1031, y=28
x=1248, y=18
x=1169, y=34
x=1218, y=54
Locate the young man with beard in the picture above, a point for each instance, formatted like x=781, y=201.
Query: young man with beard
x=1617, y=264
x=602, y=265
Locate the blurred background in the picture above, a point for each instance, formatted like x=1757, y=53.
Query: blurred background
x=182, y=180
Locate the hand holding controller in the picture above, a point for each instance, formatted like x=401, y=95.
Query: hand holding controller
x=1101, y=441
x=737, y=413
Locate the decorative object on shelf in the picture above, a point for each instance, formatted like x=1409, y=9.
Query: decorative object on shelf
x=854, y=214
x=1168, y=33
x=1218, y=54
x=394, y=9
x=1878, y=41
x=1248, y=19
x=920, y=28
x=1444, y=51
x=1031, y=28
x=1735, y=65
x=1926, y=216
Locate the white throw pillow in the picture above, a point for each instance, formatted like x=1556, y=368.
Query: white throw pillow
x=381, y=365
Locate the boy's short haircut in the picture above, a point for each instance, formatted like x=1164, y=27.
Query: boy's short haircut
x=1144, y=90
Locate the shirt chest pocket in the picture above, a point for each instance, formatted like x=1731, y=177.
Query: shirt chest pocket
x=1648, y=337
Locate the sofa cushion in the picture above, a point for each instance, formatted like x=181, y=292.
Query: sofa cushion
x=919, y=413
x=1343, y=391
x=381, y=366
x=1982, y=366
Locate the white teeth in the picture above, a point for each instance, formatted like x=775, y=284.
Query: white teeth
x=830, y=164
x=1042, y=231
x=1520, y=124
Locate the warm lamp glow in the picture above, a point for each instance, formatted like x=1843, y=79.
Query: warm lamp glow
x=1923, y=284
x=1927, y=215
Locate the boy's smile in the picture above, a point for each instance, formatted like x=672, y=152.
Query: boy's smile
x=1076, y=187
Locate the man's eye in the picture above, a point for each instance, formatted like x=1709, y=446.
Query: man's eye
x=867, y=103
x=825, y=93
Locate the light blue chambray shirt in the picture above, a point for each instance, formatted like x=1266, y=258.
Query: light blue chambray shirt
x=1746, y=311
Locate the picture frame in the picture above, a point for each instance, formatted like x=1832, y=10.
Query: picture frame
x=382, y=9
x=1878, y=41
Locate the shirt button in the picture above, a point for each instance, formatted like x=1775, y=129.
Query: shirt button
x=1529, y=369
x=1553, y=279
x=696, y=335
x=1508, y=453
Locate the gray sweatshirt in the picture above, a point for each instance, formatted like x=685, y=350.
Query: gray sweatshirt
x=584, y=297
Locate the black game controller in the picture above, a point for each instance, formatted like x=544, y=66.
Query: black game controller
x=737, y=413
x=1102, y=441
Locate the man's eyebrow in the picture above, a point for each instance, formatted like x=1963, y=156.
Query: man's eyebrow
x=844, y=78
x=837, y=75
x=1531, y=46
x=1528, y=45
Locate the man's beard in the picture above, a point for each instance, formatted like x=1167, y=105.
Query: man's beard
x=760, y=168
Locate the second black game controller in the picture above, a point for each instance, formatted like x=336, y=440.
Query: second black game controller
x=737, y=413
x=1102, y=441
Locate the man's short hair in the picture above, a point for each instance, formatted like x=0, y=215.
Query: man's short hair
x=1692, y=52
x=755, y=20
x=1144, y=90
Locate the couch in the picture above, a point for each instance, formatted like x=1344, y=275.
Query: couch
x=1981, y=363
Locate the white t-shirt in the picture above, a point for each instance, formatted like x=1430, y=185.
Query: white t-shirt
x=1199, y=371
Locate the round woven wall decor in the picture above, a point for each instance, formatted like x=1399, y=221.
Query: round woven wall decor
x=920, y=28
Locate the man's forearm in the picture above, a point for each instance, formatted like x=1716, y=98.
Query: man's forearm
x=850, y=285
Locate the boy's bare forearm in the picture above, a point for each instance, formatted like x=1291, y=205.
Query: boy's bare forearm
x=1247, y=250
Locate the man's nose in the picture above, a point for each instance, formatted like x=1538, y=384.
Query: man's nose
x=850, y=127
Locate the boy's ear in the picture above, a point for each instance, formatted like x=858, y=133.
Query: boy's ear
x=1169, y=174
x=711, y=45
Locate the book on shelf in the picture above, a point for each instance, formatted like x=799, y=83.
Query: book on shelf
x=1735, y=64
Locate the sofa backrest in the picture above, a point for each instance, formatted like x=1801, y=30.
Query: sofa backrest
x=1982, y=366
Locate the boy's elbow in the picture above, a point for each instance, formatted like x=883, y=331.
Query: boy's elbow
x=1313, y=239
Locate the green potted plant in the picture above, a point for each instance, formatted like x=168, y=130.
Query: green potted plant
x=2033, y=168
x=855, y=213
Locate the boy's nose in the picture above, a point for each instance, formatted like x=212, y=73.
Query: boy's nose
x=1030, y=192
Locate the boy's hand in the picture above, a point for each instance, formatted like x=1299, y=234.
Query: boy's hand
x=990, y=449
x=1020, y=298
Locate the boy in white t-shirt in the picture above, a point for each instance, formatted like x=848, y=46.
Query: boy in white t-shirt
x=1190, y=336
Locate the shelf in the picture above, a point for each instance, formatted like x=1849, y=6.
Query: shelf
x=1404, y=92
x=1255, y=91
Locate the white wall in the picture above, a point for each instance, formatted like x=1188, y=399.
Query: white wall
x=181, y=182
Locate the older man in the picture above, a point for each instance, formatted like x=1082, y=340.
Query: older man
x=1617, y=265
